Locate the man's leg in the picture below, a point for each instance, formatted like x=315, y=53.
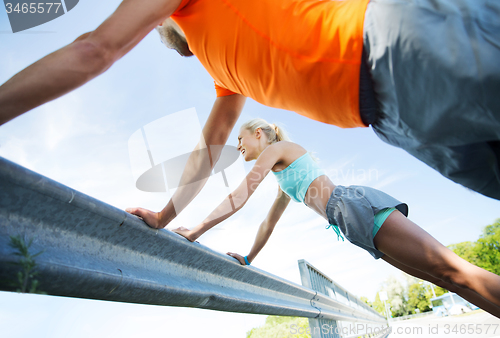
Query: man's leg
x=436, y=77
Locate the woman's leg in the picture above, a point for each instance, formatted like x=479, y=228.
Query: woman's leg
x=407, y=243
x=467, y=294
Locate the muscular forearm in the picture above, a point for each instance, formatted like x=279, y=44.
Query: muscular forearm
x=196, y=173
x=224, y=115
x=52, y=77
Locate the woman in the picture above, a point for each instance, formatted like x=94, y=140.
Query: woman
x=367, y=217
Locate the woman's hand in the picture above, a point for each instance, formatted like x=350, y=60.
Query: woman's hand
x=185, y=232
x=238, y=257
x=151, y=218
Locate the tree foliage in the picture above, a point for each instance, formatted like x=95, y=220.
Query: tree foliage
x=282, y=327
x=405, y=298
x=378, y=305
x=418, y=298
x=420, y=294
x=466, y=250
x=488, y=248
x=397, y=296
x=25, y=278
x=485, y=252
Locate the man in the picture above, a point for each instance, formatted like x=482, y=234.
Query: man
x=434, y=69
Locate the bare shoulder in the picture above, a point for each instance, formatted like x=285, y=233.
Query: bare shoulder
x=288, y=146
x=288, y=152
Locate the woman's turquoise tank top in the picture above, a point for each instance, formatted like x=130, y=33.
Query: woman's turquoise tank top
x=295, y=179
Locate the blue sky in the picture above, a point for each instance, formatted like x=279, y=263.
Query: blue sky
x=81, y=140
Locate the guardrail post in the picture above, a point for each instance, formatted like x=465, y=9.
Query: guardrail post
x=374, y=324
x=313, y=279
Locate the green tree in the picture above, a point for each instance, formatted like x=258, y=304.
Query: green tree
x=405, y=298
x=417, y=298
x=396, y=293
x=484, y=253
x=466, y=250
x=420, y=295
x=488, y=248
x=26, y=281
x=378, y=305
x=282, y=327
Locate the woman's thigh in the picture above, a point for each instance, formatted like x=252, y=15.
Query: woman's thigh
x=407, y=243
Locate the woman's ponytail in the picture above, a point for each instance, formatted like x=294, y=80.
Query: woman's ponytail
x=273, y=132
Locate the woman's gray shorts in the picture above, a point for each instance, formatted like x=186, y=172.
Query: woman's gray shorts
x=353, y=208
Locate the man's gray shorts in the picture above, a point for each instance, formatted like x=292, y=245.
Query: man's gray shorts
x=353, y=208
x=435, y=66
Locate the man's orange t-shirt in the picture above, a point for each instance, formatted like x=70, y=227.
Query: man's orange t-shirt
x=299, y=55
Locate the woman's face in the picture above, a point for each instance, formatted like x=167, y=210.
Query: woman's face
x=248, y=144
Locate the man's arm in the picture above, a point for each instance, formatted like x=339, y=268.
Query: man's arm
x=88, y=56
x=220, y=123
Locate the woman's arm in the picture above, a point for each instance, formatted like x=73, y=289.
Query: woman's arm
x=237, y=199
x=266, y=228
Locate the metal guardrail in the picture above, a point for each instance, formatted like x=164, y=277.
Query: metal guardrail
x=320, y=282
x=312, y=278
x=93, y=250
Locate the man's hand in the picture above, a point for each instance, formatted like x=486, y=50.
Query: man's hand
x=240, y=258
x=151, y=218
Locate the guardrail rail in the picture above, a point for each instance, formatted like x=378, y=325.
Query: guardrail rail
x=96, y=251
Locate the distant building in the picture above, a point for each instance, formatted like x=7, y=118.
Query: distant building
x=451, y=304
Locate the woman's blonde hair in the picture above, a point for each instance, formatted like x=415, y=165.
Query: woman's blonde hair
x=273, y=132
